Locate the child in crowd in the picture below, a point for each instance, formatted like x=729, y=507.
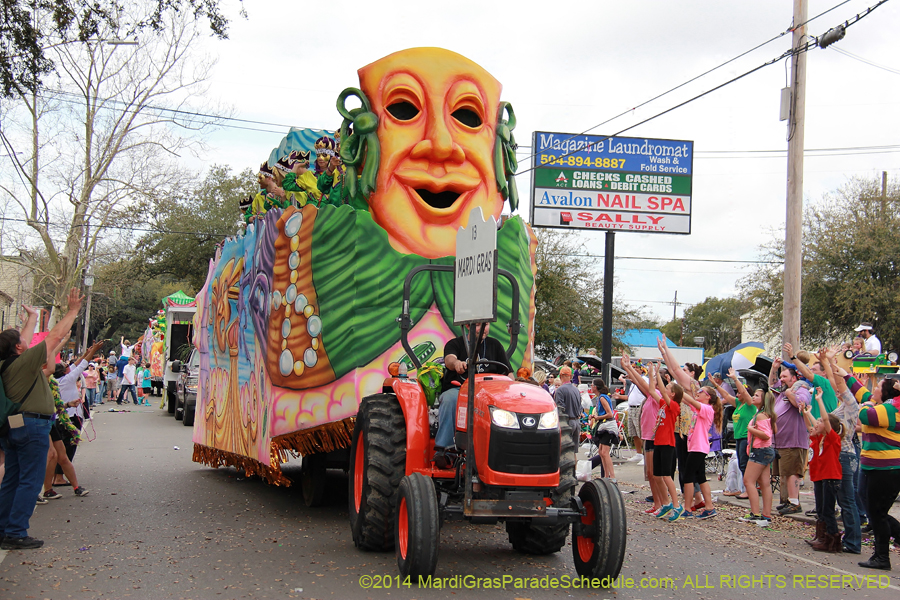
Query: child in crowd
x=707, y=410
x=664, y=440
x=139, y=384
x=607, y=433
x=744, y=411
x=146, y=383
x=648, y=413
x=761, y=453
x=825, y=470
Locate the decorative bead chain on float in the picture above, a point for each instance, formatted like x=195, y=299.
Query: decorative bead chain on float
x=296, y=309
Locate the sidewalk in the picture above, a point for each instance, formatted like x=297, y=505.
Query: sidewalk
x=631, y=475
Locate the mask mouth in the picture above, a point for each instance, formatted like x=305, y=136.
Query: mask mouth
x=439, y=200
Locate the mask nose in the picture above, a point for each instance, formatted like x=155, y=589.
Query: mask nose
x=438, y=145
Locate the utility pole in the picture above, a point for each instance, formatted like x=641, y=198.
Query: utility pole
x=793, y=235
x=675, y=305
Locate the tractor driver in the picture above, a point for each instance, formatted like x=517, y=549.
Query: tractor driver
x=455, y=370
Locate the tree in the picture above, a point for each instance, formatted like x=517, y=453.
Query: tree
x=851, y=267
x=101, y=146
x=31, y=27
x=122, y=304
x=569, y=299
x=717, y=320
x=190, y=229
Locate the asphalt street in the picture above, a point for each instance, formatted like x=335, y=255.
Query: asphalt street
x=158, y=526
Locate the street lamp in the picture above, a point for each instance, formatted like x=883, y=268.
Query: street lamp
x=88, y=283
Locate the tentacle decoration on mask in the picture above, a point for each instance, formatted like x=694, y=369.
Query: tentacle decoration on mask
x=505, y=163
x=359, y=149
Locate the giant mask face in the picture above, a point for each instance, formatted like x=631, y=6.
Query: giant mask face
x=437, y=121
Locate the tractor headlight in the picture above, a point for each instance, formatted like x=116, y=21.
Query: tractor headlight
x=504, y=418
x=549, y=420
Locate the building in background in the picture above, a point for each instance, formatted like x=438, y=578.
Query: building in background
x=16, y=289
x=642, y=343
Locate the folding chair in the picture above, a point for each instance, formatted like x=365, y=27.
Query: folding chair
x=622, y=427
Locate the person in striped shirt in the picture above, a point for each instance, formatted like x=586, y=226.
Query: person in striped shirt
x=881, y=460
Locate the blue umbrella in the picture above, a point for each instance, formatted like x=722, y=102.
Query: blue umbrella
x=742, y=356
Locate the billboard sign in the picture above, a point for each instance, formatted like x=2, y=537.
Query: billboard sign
x=600, y=182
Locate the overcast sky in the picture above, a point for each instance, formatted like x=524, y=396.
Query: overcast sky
x=568, y=66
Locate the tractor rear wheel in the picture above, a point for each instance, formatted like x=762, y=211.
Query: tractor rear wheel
x=600, y=548
x=530, y=538
x=377, y=464
x=417, y=527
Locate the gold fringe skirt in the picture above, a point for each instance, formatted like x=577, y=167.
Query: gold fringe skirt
x=324, y=438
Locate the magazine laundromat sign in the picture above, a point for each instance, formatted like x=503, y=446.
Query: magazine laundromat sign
x=600, y=182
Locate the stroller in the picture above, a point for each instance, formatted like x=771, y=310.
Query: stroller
x=716, y=461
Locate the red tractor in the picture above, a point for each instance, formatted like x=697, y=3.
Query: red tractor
x=516, y=464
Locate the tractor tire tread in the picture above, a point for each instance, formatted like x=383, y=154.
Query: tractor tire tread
x=386, y=466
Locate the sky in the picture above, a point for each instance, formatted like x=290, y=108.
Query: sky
x=571, y=65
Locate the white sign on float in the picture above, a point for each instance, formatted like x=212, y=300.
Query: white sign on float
x=475, y=280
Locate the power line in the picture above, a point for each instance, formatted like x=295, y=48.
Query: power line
x=691, y=80
x=868, y=62
x=665, y=258
x=805, y=48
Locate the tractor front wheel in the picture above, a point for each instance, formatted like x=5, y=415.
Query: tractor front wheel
x=416, y=527
x=598, y=542
x=377, y=464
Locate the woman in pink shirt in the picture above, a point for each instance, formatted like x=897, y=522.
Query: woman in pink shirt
x=91, y=376
x=707, y=409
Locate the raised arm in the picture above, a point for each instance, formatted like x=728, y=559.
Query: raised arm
x=742, y=392
x=28, y=327
x=822, y=410
x=825, y=356
x=726, y=397
x=658, y=388
x=63, y=327
x=687, y=397
x=801, y=366
x=773, y=372
x=675, y=370
x=634, y=376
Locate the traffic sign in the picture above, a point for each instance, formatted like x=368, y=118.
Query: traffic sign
x=475, y=281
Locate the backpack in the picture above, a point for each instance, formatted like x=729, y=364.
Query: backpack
x=9, y=407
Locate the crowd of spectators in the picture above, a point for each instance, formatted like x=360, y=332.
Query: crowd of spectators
x=814, y=420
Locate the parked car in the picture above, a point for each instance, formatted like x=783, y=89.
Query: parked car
x=186, y=388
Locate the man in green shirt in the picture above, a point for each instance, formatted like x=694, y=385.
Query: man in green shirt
x=26, y=440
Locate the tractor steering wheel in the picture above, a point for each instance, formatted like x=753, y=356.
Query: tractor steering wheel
x=484, y=361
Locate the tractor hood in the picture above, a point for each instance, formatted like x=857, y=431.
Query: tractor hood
x=501, y=392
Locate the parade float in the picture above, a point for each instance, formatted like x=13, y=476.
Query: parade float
x=297, y=320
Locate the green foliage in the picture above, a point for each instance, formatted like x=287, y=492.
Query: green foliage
x=569, y=299
x=718, y=320
x=122, y=304
x=192, y=226
x=851, y=267
x=30, y=27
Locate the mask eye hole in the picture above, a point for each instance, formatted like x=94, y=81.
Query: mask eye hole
x=403, y=111
x=467, y=117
